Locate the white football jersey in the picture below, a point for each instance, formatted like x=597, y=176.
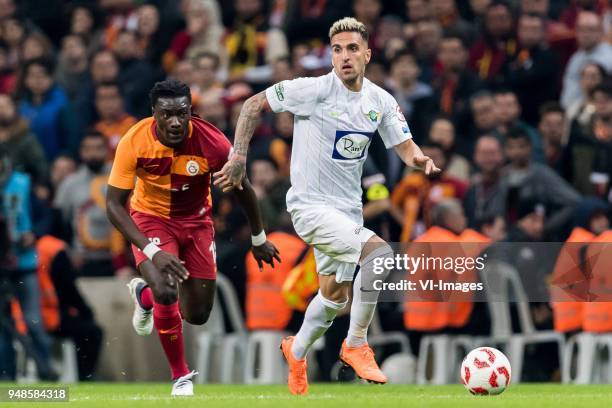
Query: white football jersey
x=333, y=128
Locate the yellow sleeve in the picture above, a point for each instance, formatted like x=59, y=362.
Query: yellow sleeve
x=123, y=173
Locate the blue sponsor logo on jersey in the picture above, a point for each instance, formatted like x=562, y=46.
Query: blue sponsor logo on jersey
x=351, y=144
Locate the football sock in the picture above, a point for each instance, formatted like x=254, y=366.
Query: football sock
x=363, y=306
x=145, y=298
x=169, y=327
x=318, y=318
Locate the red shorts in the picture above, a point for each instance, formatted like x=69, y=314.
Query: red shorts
x=192, y=241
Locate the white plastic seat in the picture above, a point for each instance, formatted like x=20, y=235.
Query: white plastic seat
x=264, y=361
x=215, y=340
x=586, y=350
x=499, y=278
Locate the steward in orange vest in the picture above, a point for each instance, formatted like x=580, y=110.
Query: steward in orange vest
x=447, y=309
x=598, y=311
x=266, y=309
x=570, y=269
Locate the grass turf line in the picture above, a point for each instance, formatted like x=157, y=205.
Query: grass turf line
x=111, y=395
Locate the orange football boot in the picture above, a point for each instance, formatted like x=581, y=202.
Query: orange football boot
x=361, y=359
x=297, y=381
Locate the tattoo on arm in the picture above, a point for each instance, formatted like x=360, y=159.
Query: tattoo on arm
x=247, y=121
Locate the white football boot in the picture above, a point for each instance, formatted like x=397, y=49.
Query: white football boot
x=183, y=386
x=142, y=319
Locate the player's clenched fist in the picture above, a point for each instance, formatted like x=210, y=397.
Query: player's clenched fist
x=167, y=263
x=267, y=253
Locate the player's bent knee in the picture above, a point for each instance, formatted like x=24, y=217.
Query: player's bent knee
x=165, y=294
x=197, y=319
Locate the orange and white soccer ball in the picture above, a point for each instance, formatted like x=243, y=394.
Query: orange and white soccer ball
x=485, y=371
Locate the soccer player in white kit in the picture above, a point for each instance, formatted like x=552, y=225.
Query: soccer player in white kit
x=335, y=118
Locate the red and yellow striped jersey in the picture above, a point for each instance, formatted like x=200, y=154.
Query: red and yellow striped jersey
x=169, y=182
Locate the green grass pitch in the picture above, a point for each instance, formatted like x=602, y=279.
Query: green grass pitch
x=107, y=395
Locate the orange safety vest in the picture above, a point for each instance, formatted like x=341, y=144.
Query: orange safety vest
x=443, y=312
x=598, y=314
x=47, y=248
x=567, y=315
x=302, y=282
x=266, y=309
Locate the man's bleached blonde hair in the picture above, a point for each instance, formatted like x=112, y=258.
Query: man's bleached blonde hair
x=349, y=24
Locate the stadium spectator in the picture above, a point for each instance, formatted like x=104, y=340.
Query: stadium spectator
x=271, y=190
x=98, y=249
x=62, y=167
x=114, y=120
x=203, y=33
x=492, y=227
x=498, y=43
x=447, y=14
x=21, y=145
x=442, y=131
x=418, y=10
x=73, y=65
x=591, y=48
x=454, y=84
x=601, y=135
x=553, y=127
x=36, y=45
x=83, y=22
x=414, y=97
x=484, y=114
x=103, y=67
x=527, y=180
x=508, y=112
x=369, y=12
x=212, y=108
x=250, y=41
x=150, y=39
x=581, y=111
x=205, y=72
x=13, y=33
x=136, y=74
x=416, y=194
x=532, y=68
x=7, y=75
x=426, y=42
x=484, y=197
x=46, y=106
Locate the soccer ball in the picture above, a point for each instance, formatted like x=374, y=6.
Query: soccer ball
x=485, y=371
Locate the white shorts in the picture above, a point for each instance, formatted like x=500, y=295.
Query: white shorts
x=338, y=237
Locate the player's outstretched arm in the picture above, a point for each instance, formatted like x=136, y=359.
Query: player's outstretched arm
x=232, y=173
x=116, y=199
x=263, y=250
x=411, y=154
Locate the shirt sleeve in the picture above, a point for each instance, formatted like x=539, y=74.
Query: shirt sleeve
x=298, y=96
x=223, y=149
x=123, y=173
x=393, y=128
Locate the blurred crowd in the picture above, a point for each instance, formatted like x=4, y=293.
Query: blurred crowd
x=512, y=100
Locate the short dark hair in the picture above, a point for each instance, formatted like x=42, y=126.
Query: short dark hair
x=605, y=87
x=551, y=107
x=207, y=54
x=170, y=88
x=455, y=35
x=108, y=84
x=401, y=53
x=44, y=62
x=93, y=133
x=517, y=132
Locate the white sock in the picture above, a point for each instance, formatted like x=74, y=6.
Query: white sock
x=361, y=317
x=318, y=318
x=362, y=310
